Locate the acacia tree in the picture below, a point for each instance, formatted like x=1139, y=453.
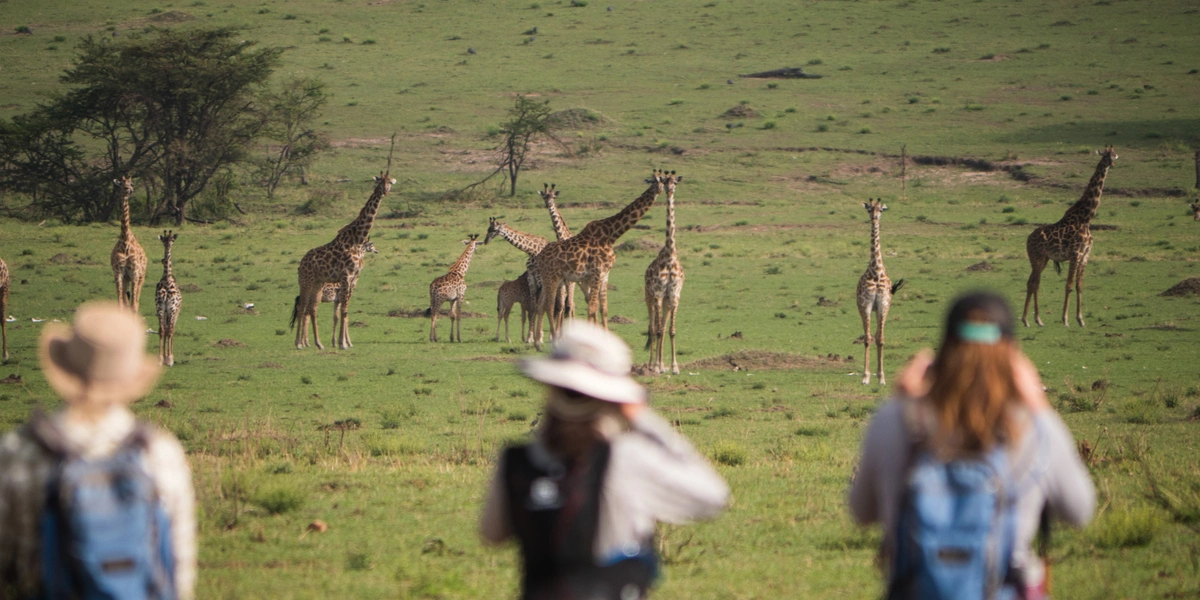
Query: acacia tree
x=175, y=108
x=290, y=114
x=529, y=119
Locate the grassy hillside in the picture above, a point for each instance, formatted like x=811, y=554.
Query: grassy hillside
x=391, y=442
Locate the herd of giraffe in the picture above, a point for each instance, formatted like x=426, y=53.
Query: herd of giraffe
x=545, y=291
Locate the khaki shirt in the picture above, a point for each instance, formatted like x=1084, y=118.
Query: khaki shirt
x=653, y=475
x=25, y=468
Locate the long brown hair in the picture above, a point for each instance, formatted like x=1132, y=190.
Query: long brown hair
x=973, y=387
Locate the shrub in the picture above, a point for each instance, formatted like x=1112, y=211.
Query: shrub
x=718, y=413
x=815, y=61
x=730, y=453
x=768, y=125
x=822, y=127
x=941, y=50
x=278, y=499
x=1126, y=528
x=810, y=431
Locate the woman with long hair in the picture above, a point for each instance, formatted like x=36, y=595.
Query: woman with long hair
x=978, y=405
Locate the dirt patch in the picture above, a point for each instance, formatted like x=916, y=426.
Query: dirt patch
x=826, y=302
x=13, y=378
x=784, y=73
x=574, y=118
x=762, y=360
x=423, y=313
x=741, y=111
x=191, y=288
x=60, y=259
x=620, y=320
x=229, y=343
x=173, y=16
x=981, y=266
x=1187, y=287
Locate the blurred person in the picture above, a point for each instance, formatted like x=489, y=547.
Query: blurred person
x=583, y=498
x=966, y=463
x=93, y=502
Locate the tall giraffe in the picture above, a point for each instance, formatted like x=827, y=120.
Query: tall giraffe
x=128, y=259
x=167, y=299
x=339, y=261
x=4, y=281
x=452, y=288
x=561, y=232
x=510, y=293
x=587, y=258
x=329, y=293
x=1070, y=239
x=875, y=291
x=664, y=284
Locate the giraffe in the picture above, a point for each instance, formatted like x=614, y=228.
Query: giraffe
x=128, y=259
x=664, y=284
x=329, y=293
x=1070, y=239
x=874, y=294
x=339, y=261
x=561, y=232
x=510, y=293
x=4, y=280
x=167, y=299
x=587, y=258
x=451, y=287
x=528, y=243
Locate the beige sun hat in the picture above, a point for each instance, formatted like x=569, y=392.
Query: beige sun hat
x=101, y=360
x=590, y=360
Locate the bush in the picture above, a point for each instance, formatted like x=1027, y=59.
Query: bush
x=1126, y=528
x=279, y=499
x=730, y=453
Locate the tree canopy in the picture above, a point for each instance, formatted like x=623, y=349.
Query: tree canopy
x=173, y=108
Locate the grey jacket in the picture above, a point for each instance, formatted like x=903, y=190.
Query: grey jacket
x=1045, y=465
x=653, y=475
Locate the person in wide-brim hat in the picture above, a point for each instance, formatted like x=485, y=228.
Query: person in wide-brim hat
x=592, y=363
x=99, y=361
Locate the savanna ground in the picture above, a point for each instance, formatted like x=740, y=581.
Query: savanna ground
x=391, y=442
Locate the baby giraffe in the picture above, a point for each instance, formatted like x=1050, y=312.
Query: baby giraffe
x=510, y=293
x=452, y=288
x=167, y=300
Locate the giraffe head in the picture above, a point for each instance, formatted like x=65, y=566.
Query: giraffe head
x=167, y=238
x=124, y=185
x=548, y=193
x=1196, y=210
x=472, y=239
x=385, y=180
x=369, y=246
x=494, y=229
x=875, y=207
x=670, y=180
x=1108, y=157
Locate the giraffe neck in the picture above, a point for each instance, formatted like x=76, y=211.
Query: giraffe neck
x=460, y=266
x=1084, y=209
x=167, y=261
x=671, y=221
x=560, y=226
x=875, y=267
x=126, y=229
x=606, y=231
x=355, y=233
x=528, y=243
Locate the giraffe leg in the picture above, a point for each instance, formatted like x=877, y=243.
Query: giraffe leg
x=501, y=316
x=455, y=321
x=1071, y=273
x=1079, y=291
x=603, y=304
x=651, y=326
x=865, y=313
x=674, y=361
x=660, y=334
x=138, y=282
x=119, y=275
x=434, y=307
x=344, y=318
x=1031, y=290
x=312, y=318
x=571, y=300
x=882, y=318
x=3, y=319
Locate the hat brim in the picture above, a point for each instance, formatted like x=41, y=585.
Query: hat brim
x=585, y=380
x=72, y=388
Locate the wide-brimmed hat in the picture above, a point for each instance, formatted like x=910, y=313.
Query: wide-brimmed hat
x=591, y=361
x=99, y=360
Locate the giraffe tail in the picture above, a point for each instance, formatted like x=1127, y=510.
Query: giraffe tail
x=896, y=286
x=295, y=313
x=1058, y=267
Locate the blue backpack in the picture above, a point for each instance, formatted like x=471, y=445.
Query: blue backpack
x=956, y=529
x=105, y=534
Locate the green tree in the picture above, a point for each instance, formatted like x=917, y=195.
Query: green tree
x=292, y=141
x=173, y=109
x=528, y=119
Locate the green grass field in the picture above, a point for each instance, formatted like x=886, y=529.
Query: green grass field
x=391, y=442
